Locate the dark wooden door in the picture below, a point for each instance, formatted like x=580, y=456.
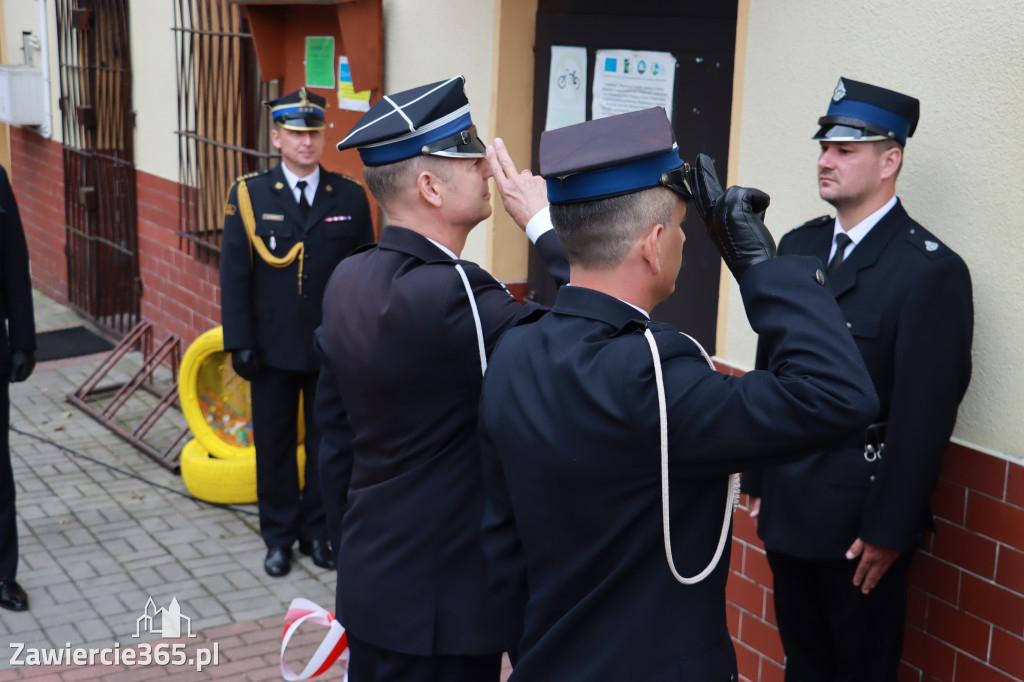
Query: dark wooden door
x=702, y=38
x=99, y=167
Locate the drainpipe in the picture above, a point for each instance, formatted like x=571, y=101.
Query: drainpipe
x=45, y=129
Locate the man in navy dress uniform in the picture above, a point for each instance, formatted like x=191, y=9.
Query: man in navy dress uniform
x=398, y=395
x=586, y=414
x=17, y=360
x=285, y=230
x=840, y=527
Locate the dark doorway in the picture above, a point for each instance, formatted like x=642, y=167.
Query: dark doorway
x=99, y=165
x=702, y=38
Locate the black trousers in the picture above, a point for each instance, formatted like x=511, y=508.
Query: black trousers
x=8, y=520
x=286, y=514
x=369, y=663
x=830, y=631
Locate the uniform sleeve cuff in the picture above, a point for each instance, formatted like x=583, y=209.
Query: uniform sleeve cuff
x=539, y=224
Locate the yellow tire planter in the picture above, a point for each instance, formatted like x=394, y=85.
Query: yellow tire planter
x=215, y=401
x=225, y=481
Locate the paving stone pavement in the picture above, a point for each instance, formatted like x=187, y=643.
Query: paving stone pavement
x=103, y=529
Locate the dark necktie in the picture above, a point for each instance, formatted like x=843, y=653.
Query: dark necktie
x=303, y=202
x=842, y=241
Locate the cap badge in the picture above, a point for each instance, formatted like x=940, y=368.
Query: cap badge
x=931, y=246
x=840, y=92
x=303, y=97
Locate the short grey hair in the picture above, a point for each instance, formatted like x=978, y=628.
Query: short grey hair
x=598, y=234
x=387, y=181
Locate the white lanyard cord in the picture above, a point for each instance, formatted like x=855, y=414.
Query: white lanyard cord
x=734, y=479
x=476, y=318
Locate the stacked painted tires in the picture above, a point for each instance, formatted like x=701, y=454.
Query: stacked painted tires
x=219, y=463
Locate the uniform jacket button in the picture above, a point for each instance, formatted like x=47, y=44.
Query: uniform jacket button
x=819, y=276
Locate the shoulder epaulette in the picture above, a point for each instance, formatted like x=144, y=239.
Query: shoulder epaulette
x=926, y=242
x=350, y=179
x=816, y=222
x=250, y=175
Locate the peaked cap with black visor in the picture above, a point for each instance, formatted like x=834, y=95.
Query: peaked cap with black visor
x=431, y=119
x=860, y=112
x=612, y=156
x=299, y=110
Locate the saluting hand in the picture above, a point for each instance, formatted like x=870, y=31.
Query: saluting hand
x=734, y=218
x=523, y=194
x=874, y=562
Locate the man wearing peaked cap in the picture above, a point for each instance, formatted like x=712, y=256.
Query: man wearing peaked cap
x=593, y=418
x=399, y=390
x=284, y=231
x=841, y=526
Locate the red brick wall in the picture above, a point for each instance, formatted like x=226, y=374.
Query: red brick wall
x=37, y=175
x=965, y=611
x=180, y=295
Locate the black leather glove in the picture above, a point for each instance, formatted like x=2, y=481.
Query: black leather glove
x=246, y=363
x=22, y=364
x=735, y=218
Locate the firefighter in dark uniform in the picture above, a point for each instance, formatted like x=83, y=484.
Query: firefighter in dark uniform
x=610, y=442
x=17, y=360
x=285, y=229
x=840, y=527
x=398, y=399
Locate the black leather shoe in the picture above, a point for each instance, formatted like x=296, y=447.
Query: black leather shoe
x=12, y=597
x=321, y=552
x=278, y=561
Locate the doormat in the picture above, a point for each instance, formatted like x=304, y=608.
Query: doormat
x=69, y=343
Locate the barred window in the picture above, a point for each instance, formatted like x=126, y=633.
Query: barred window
x=222, y=130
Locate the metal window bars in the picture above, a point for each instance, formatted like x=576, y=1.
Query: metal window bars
x=222, y=131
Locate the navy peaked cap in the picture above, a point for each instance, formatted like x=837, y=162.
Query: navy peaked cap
x=860, y=112
x=431, y=119
x=612, y=156
x=299, y=110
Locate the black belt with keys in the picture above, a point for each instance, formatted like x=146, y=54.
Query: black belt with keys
x=874, y=441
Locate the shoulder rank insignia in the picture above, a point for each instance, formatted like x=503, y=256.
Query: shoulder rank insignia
x=929, y=245
x=816, y=222
x=246, y=176
x=229, y=209
x=351, y=179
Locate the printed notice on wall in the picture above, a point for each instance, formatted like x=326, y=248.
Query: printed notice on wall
x=567, y=87
x=319, y=61
x=628, y=80
x=348, y=98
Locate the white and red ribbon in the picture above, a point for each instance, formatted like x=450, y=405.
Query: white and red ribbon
x=333, y=647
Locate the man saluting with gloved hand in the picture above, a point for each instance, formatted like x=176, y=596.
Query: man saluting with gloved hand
x=609, y=440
